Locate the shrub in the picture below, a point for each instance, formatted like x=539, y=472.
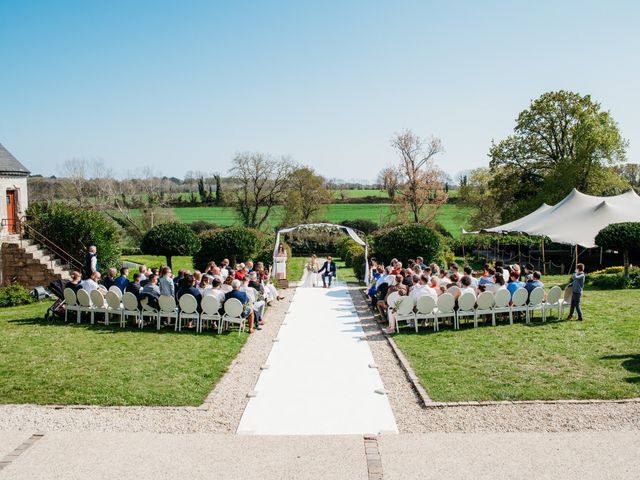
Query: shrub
x=620, y=236
x=202, y=226
x=364, y=225
x=407, y=241
x=14, y=294
x=608, y=281
x=74, y=229
x=234, y=243
x=170, y=239
x=306, y=242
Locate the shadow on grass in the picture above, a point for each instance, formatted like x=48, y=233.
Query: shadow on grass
x=630, y=362
x=114, y=327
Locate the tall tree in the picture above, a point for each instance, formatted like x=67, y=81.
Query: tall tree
x=420, y=178
x=388, y=178
x=562, y=141
x=475, y=192
x=262, y=183
x=306, y=196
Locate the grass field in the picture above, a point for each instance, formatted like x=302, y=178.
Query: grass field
x=57, y=363
x=595, y=359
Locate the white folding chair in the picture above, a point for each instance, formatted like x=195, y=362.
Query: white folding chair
x=519, y=302
x=168, y=308
x=392, y=299
x=455, y=291
x=536, y=302
x=149, y=311
x=130, y=304
x=566, y=299
x=233, y=309
x=445, y=308
x=188, y=311
x=501, y=305
x=85, y=304
x=484, y=306
x=114, y=307
x=210, y=310
x=99, y=305
x=71, y=304
x=466, y=304
x=491, y=287
x=425, y=310
x=553, y=301
x=404, y=312
x=116, y=290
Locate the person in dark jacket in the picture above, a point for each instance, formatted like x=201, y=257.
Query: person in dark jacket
x=90, y=262
x=244, y=299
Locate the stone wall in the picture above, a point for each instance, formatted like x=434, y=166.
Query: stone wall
x=20, y=266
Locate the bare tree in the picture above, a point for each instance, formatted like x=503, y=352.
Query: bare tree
x=76, y=179
x=389, y=179
x=421, y=184
x=262, y=183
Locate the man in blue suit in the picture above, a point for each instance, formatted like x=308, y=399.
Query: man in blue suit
x=328, y=271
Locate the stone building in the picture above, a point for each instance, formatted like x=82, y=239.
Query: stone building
x=13, y=185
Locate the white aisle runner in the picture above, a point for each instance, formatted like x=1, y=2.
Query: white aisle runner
x=319, y=379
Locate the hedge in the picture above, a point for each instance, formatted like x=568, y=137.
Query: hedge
x=238, y=244
x=408, y=241
x=170, y=239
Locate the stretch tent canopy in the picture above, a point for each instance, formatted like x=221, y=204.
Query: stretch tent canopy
x=577, y=219
x=350, y=231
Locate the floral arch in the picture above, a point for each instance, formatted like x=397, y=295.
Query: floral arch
x=318, y=226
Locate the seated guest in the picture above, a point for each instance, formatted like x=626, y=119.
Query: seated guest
x=443, y=280
x=534, y=283
x=454, y=279
x=397, y=286
x=498, y=279
x=255, y=300
x=244, y=299
x=408, y=278
x=453, y=267
x=216, y=291
x=197, y=276
x=226, y=284
x=122, y=281
x=371, y=291
x=422, y=289
x=177, y=280
x=468, y=272
x=396, y=267
x=209, y=269
x=514, y=282
x=151, y=291
x=465, y=285
x=135, y=287
x=515, y=268
x=92, y=283
x=528, y=273
x=488, y=279
x=499, y=267
x=75, y=284
x=189, y=287
x=166, y=284
x=108, y=280
x=204, y=285
x=392, y=315
x=142, y=269
x=420, y=263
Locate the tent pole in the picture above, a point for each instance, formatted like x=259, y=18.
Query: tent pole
x=576, y=256
x=544, y=265
x=464, y=258
x=519, y=254
x=600, y=255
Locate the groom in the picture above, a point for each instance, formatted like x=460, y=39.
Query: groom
x=328, y=270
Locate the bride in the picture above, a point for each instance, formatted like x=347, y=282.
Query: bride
x=311, y=277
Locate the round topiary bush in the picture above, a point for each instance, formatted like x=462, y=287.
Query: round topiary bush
x=170, y=239
x=364, y=225
x=407, y=241
x=234, y=243
x=620, y=236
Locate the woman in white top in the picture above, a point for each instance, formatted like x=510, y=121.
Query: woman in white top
x=311, y=272
x=280, y=264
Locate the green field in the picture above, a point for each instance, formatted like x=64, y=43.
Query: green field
x=598, y=358
x=359, y=193
x=57, y=363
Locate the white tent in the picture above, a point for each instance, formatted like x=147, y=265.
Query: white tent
x=577, y=219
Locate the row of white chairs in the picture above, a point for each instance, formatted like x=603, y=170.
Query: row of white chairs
x=125, y=306
x=487, y=303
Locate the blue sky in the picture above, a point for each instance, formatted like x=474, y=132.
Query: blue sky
x=184, y=85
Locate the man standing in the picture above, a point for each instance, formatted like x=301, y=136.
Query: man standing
x=328, y=271
x=90, y=262
x=577, y=283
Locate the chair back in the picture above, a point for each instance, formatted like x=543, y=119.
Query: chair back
x=167, y=303
x=446, y=302
x=491, y=288
x=116, y=290
x=146, y=307
x=210, y=305
x=426, y=304
x=113, y=300
x=70, y=297
x=520, y=297
x=455, y=291
x=405, y=307
x=554, y=295
x=393, y=298
x=537, y=296
x=130, y=301
x=467, y=301
x=233, y=307
x=83, y=298
x=502, y=298
x=485, y=301
x=188, y=303
x=97, y=298
x=568, y=293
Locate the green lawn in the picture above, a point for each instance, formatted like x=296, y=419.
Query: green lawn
x=158, y=260
x=359, y=193
x=57, y=363
x=595, y=359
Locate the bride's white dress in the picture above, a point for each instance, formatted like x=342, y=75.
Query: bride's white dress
x=311, y=276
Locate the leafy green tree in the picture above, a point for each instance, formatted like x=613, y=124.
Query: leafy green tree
x=170, y=239
x=620, y=236
x=562, y=141
x=407, y=241
x=234, y=243
x=475, y=191
x=306, y=195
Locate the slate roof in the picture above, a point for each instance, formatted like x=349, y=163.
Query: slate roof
x=10, y=166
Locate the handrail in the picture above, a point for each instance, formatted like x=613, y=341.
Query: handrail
x=27, y=230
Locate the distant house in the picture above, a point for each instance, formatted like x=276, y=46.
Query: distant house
x=13, y=186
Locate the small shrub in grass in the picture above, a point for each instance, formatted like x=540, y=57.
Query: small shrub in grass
x=15, y=294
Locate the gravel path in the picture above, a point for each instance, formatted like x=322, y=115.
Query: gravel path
x=220, y=413
x=412, y=418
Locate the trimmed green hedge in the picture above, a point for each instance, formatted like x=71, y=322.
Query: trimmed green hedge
x=238, y=244
x=408, y=241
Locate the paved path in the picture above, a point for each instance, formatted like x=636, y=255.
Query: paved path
x=319, y=380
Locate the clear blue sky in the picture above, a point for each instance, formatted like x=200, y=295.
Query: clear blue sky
x=183, y=85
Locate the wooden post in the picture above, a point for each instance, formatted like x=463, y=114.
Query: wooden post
x=600, y=255
x=464, y=258
x=544, y=264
